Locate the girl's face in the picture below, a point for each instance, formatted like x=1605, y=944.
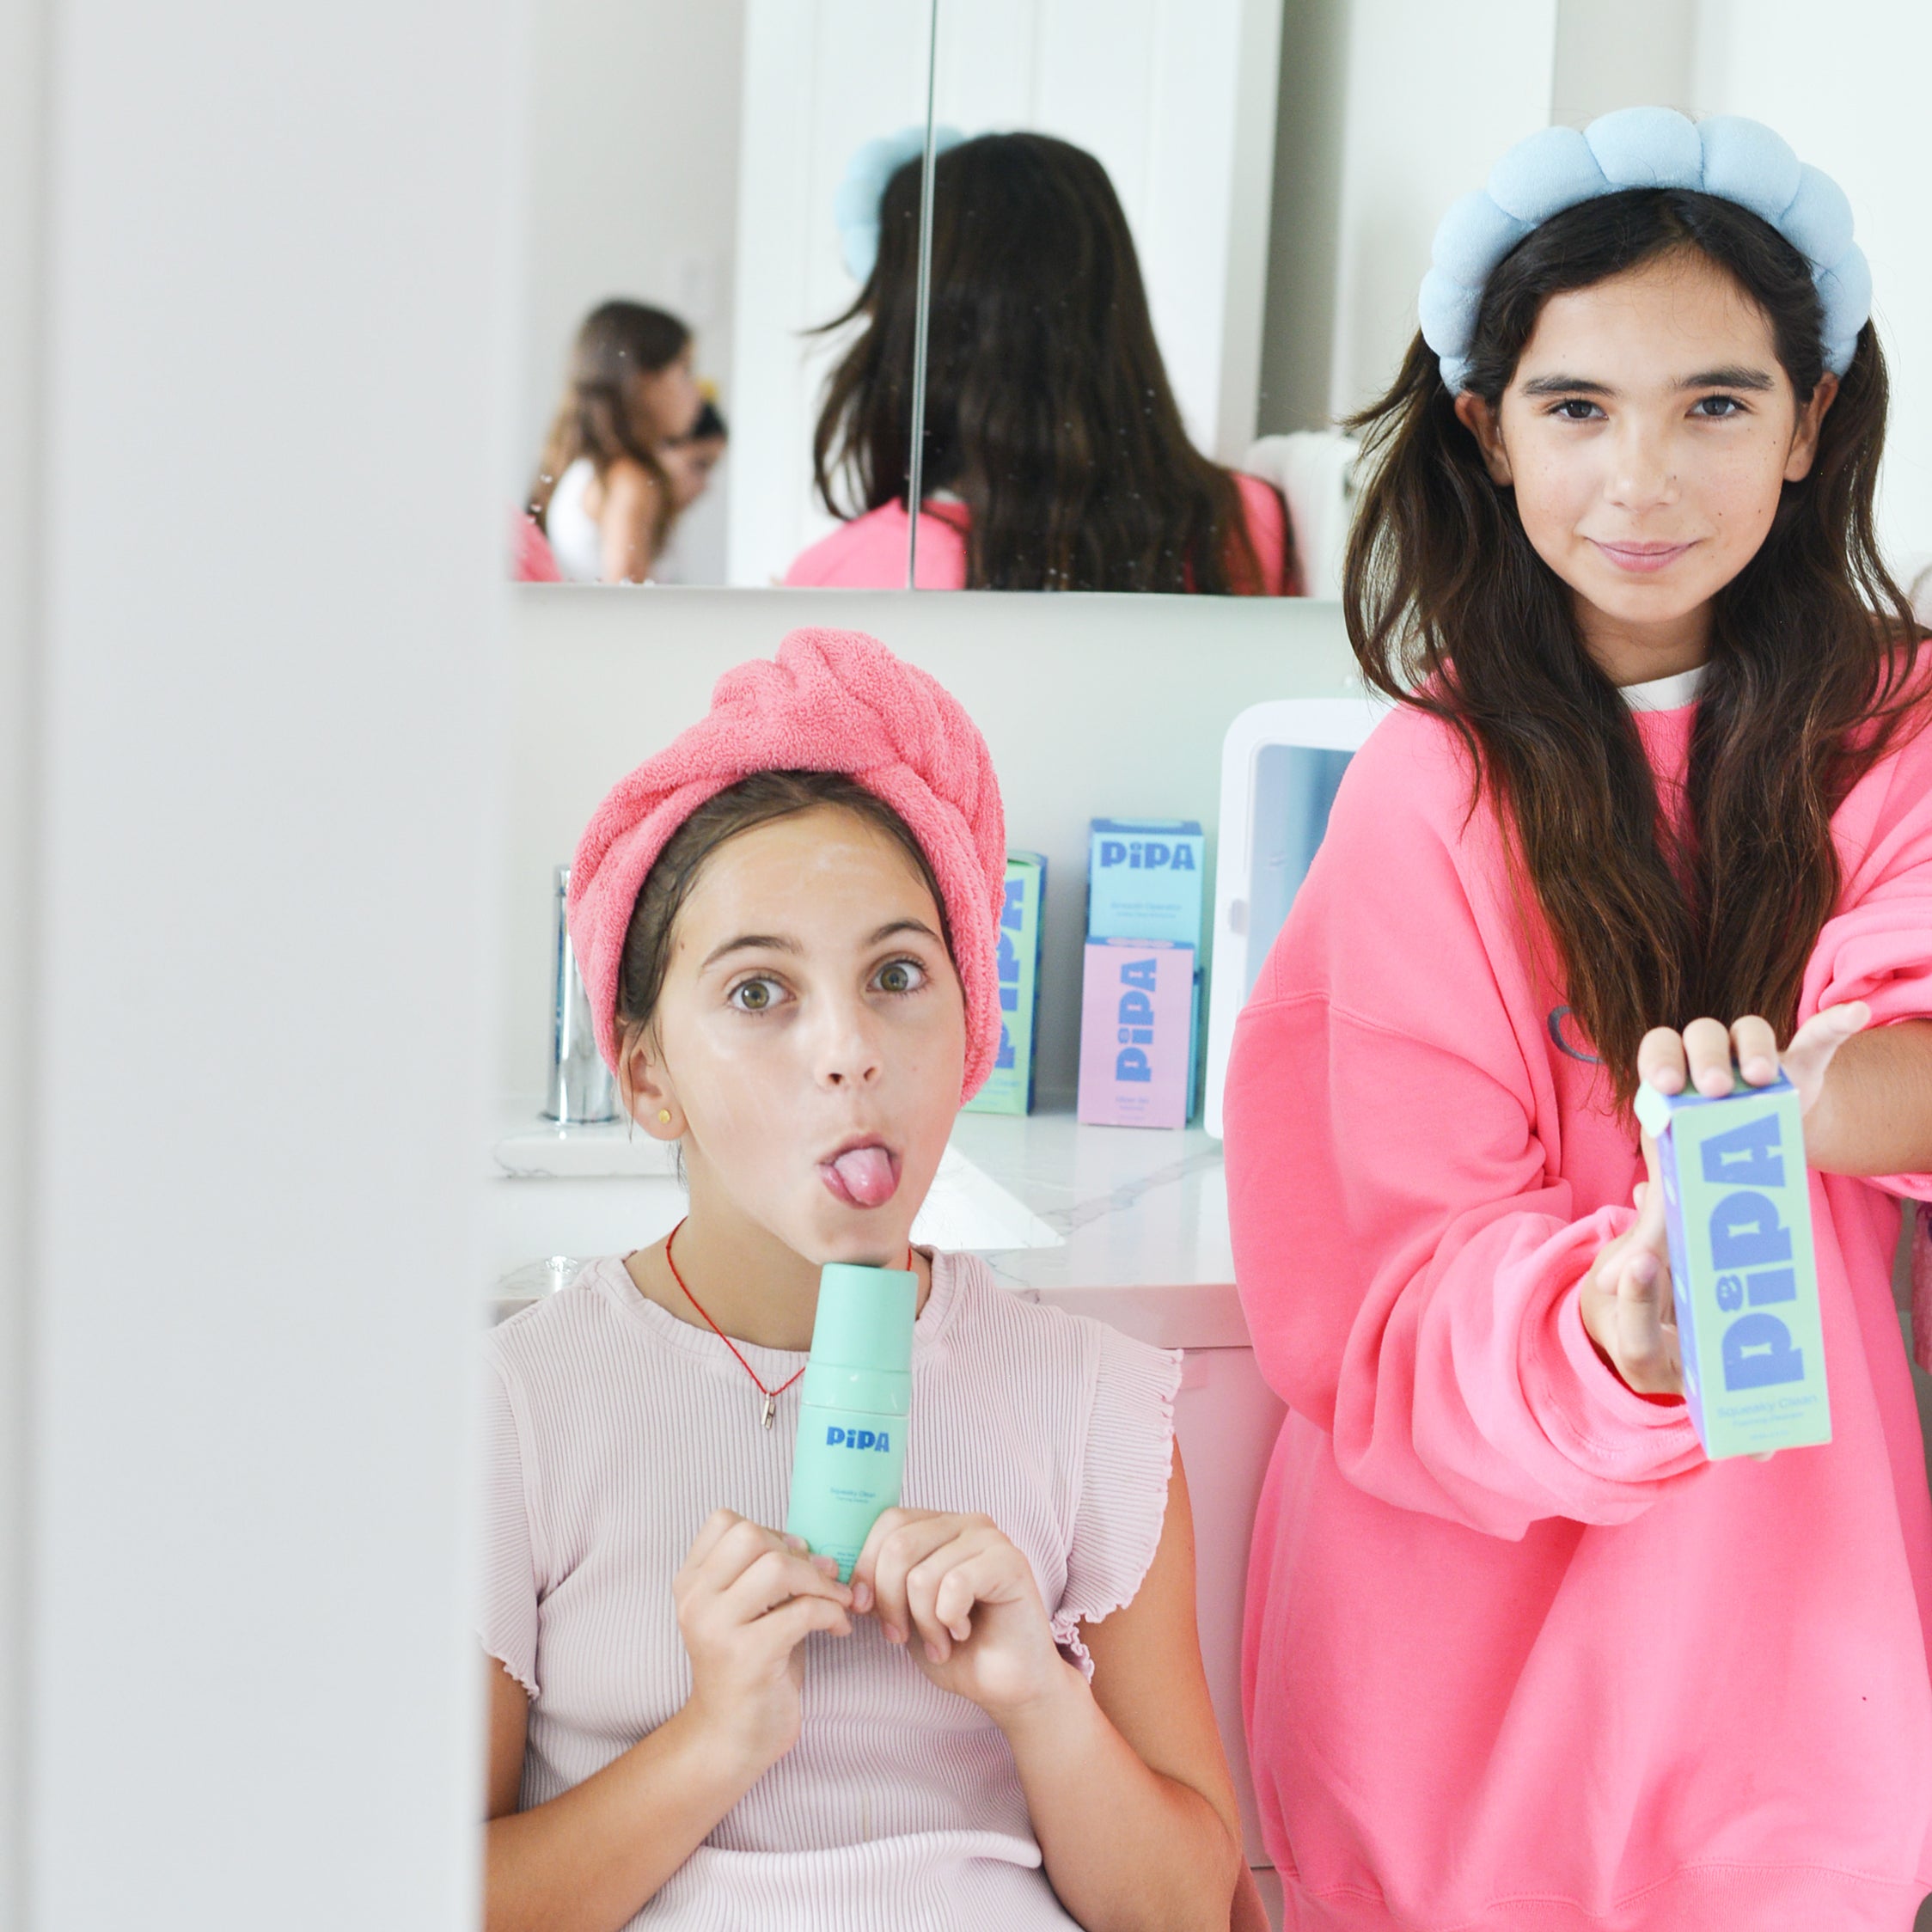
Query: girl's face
x=1647, y=431
x=811, y=1038
x=665, y=402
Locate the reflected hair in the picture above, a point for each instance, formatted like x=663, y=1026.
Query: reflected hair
x=1810, y=678
x=618, y=340
x=1049, y=413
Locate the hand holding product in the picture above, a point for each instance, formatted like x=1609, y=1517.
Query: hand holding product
x=747, y=1598
x=962, y=1599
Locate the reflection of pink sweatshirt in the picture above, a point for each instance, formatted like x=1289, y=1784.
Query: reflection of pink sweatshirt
x=869, y=554
x=1517, y=1655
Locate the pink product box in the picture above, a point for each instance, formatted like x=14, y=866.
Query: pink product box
x=1136, y=1022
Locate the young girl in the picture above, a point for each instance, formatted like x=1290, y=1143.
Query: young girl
x=787, y=927
x=1656, y=796
x=1056, y=456
x=604, y=497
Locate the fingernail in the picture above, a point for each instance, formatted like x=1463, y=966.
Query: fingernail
x=960, y=1633
x=1760, y=1072
x=1645, y=1268
x=932, y=1653
x=861, y=1598
x=893, y=1634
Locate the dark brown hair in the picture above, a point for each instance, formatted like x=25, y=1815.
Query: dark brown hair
x=1047, y=407
x=618, y=340
x=753, y=801
x=1450, y=609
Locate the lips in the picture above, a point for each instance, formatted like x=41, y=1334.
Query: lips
x=1641, y=559
x=864, y=1174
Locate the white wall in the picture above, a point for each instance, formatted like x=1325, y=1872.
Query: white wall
x=20, y=196
x=632, y=190
x=1092, y=705
x=1851, y=99
x=266, y=672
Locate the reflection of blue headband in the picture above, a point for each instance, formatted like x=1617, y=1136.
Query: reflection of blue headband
x=855, y=207
x=1737, y=160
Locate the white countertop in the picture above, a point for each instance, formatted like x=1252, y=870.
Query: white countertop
x=1127, y=1223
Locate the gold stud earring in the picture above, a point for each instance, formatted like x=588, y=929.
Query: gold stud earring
x=664, y=1115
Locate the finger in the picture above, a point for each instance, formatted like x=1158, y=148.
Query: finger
x=785, y=1628
x=1707, y=1047
x=1660, y=1059
x=1646, y=1351
x=888, y=1520
x=710, y=1536
x=775, y=1578
x=923, y=1583
x=909, y=1543
x=986, y=1574
x=742, y=1545
x=1755, y=1045
x=1815, y=1043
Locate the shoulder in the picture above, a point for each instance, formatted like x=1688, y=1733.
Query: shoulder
x=627, y=484
x=867, y=554
x=556, y=1343
x=993, y=1331
x=1407, y=792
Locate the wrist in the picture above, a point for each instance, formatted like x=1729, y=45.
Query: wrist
x=720, y=1756
x=1062, y=1699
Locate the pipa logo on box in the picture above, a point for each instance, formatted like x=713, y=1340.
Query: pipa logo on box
x=880, y=1439
x=1147, y=855
x=1137, y=982
x=1748, y=1240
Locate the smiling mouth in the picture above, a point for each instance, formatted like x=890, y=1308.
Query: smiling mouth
x=1641, y=559
x=864, y=1174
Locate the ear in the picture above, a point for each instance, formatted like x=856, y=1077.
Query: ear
x=1481, y=421
x=645, y=1087
x=1805, y=431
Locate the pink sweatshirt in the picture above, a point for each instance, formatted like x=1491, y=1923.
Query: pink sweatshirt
x=1516, y=1654
x=869, y=554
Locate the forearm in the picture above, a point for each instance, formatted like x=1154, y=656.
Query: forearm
x=1125, y=1848
x=588, y=1861
x=1873, y=1113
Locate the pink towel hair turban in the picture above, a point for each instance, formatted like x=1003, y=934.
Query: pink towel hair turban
x=835, y=701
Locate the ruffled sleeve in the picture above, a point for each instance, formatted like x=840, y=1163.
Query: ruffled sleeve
x=507, y=1618
x=1128, y=1458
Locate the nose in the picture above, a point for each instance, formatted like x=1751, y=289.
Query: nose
x=846, y=1049
x=1643, y=472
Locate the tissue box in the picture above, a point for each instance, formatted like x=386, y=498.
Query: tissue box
x=1136, y=1034
x=1144, y=879
x=1009, y=1088
x=1737, y=1201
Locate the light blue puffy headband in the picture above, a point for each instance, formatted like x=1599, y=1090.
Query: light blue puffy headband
x=855, y=207
x=1737, y=160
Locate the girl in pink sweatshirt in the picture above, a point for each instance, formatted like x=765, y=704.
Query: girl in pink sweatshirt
x=1656, y=796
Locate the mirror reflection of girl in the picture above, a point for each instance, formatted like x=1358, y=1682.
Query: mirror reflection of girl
x=1657, y=795
x=605, y=496
x=1055, y=456
x=1003, y=1720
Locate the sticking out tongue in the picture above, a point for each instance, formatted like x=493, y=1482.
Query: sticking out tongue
x=866, y=1175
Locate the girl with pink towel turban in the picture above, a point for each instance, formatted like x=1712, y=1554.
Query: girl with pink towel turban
x=786, y=923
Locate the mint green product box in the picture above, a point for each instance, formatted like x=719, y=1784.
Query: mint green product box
x=1737, y=1206
x=1009, y=1087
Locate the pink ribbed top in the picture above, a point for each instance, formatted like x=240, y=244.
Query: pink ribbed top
x=614, y=1430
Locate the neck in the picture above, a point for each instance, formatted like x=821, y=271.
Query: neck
x=1628, y=652
x=754, y=1287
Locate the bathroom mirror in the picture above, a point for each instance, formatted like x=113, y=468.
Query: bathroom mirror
x=683, y=164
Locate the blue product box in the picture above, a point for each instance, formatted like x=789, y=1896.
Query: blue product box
x=1145, y=881
x=1737, y=1207
x=1009, y=1087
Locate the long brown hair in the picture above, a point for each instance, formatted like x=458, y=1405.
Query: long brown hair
x=618, y=340
x=1450, y=609
x=1047, y=407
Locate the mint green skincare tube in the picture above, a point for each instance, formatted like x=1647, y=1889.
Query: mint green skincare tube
x=851, y=1453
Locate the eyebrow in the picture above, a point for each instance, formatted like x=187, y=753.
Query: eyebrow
x=894, y=926
x=1735, y=377
x=749, y=942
